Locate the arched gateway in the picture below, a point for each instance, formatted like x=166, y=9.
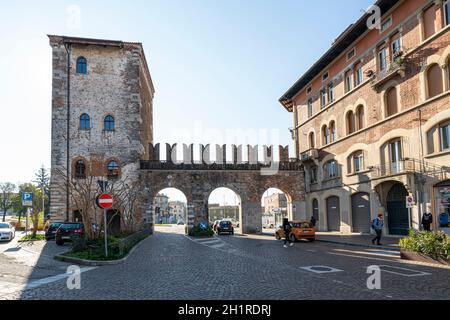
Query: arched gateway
x=248, y=179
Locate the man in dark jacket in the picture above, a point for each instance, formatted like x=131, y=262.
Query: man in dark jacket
x=427, y=220
x=287, y=232
x=313, y=222
x=377, y=226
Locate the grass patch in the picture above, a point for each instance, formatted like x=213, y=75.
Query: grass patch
x=38, y=237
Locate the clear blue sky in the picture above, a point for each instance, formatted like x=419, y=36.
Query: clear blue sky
x=217, y=66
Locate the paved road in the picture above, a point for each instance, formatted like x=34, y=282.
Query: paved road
x=171, y=266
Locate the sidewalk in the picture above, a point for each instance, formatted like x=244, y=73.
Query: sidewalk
x=388, y=243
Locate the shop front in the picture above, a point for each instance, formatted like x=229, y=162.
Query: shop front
x=442, y=206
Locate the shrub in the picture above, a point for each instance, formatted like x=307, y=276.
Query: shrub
x=436, y=244
x=29, y=237
x=198, y=232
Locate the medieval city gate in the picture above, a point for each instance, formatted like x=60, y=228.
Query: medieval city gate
x=248, y=179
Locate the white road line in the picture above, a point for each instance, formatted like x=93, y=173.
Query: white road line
x=396, y=255
x=12, y=288
x=415, y=274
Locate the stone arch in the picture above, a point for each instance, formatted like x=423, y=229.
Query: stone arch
x=240, y=201
x=158, y=191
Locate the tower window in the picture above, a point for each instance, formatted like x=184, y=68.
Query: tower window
x=85, y=122
x=110, y=123
x=81, y=65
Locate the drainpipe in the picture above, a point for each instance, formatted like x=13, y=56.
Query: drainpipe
x=421, y=180
x=68, y=50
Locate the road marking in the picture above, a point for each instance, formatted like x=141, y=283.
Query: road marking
x=359, y=257
x=7, y=288
x=378, y=254
x=412, y=273
x=321, y=269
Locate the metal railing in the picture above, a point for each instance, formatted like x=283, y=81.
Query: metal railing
x=391, y=69
x=408, y=166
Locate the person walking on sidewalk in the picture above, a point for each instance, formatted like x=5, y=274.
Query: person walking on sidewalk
x=287, y=232
x=427, y=220
x=377, y=226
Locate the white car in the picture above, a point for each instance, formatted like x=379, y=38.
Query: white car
x=7, y=231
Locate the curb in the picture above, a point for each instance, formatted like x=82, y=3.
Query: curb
x=359, y=245
x=92, y=263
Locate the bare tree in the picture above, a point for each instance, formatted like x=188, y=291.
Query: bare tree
x=127, y=197
x=83, y=194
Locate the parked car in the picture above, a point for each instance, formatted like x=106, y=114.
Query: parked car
x=299, y=230
x=66, y=231
x=225, y=226
x=50, y=231
x=215, y=224
x=7, y=232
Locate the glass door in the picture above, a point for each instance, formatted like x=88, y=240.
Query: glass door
x=395, y=154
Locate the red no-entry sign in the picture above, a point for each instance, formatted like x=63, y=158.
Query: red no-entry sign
x=105, y=201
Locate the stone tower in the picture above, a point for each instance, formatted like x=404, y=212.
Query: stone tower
x=102, y=113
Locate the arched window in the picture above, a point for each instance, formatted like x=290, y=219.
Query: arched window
x=325, y=135
x=113, y=169
x=330, y=169
x=110, y=124
x=434, y=81
x=312, y=142
x=80, y=169
x=391, y=102
x=81, y=65
x=360, y=117
x=355, y=162
x=332, y=132
x=85, y=122
x=447, y=12
x=350, y=122
x=444, y=135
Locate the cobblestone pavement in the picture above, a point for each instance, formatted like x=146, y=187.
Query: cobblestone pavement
x=172, y=266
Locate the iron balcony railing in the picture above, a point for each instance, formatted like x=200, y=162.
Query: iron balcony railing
x=168, y=165
x=393, y=68
x=407, y=166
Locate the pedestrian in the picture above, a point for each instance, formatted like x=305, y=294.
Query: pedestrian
x=287, y=232
x=377, y=226
x=427, y=220
x=313, y=222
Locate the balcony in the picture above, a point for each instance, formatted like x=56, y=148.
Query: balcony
x=393, y=69
x=309, y=156
x=407, y=166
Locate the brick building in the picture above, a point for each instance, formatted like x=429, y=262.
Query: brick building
x=372, y=120
x=102, y=100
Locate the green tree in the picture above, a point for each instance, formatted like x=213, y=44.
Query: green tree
x=37, y=203
x=6, y=194
x=43, y=182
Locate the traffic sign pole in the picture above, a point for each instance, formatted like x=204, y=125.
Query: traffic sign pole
x=105, y=201
x=106, y=232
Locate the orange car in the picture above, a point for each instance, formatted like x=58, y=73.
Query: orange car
x=299, y=230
